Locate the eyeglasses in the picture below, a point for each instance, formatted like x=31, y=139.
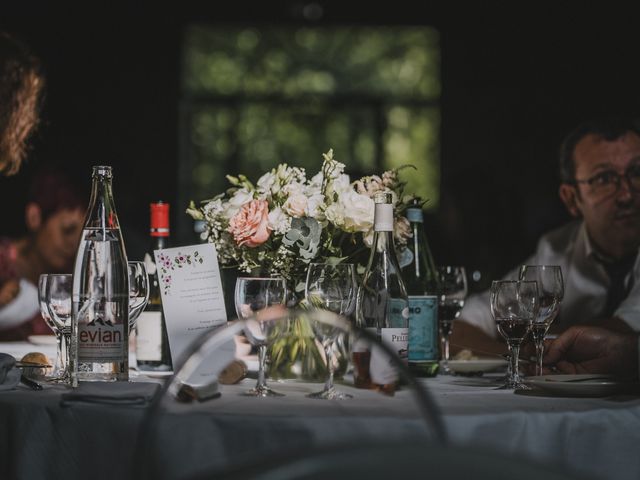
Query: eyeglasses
x=608, y=181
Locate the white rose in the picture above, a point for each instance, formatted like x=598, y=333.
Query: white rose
x=279, y=222
x=335, y=214
x=295, y=205
x=314, y=207
x=358, y=211
x=293, y=188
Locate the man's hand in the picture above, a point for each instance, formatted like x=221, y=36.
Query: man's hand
x=586, y=349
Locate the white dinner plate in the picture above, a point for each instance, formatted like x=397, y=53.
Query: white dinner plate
x=476, y=366
x=42, y=339
x=591, y=385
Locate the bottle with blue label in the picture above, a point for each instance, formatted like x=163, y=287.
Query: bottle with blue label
x=421, y=280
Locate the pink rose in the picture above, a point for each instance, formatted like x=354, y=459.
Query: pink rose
x=250, y=226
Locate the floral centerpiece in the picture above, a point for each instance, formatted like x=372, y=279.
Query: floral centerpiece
x=288, y=220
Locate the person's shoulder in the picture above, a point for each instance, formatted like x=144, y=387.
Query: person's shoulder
x=561, y=238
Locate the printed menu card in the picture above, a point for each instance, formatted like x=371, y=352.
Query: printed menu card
x=192, y=295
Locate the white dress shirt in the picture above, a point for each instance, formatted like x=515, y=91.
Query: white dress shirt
x=585, y=282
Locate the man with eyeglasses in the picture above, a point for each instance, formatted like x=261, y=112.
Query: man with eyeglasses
x=598, y=252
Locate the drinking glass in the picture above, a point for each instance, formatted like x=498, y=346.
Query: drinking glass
x=550, y=294
x=58, y=300
x=252, y=296
x=60, y=362
x=333, y=288
x=138, y=291
x=514, y=306
x=452, y=283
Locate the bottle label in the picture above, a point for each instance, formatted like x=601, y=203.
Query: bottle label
x=423, y=328
x=398, y=313
x=383, y=217
x=149, y=337
x=382, y=369
x=102, y=343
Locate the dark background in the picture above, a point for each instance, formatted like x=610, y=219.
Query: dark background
x=515, y=81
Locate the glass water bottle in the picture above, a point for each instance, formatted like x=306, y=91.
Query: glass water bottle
x=101, y=289
x=382, y=305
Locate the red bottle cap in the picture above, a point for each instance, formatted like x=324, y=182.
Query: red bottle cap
x=159, y=219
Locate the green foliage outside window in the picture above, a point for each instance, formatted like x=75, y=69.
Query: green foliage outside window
x=256, y=97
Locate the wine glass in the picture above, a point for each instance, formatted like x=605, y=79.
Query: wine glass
x=514, y=306
x=60, y=362
x=58, y=300
x=452, y=287
x=138, y=291
x=551, y=292
x=252, y=296
x=333, y=288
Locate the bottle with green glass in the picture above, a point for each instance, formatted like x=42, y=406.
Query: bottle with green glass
x=421, y=280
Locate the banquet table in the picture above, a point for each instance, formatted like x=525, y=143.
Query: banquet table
x=45, y=437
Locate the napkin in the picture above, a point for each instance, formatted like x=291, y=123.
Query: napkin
x=111, y=393
x=9, y=373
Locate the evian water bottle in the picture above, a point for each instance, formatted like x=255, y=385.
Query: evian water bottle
x=101, y=289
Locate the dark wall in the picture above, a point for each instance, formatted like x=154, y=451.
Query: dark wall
x=514, y=83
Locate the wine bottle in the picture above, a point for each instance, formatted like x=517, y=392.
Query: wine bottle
x=382, y=306
x=421, y=280
x=152, y=342
x=100, y=296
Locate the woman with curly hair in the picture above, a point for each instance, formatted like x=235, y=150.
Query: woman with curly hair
x=21, y=87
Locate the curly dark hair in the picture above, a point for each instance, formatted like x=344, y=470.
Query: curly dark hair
x=21, y=87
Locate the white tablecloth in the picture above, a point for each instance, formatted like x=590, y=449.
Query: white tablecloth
x=599, y=437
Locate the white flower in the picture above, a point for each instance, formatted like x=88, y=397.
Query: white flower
x=402, y=230
x=266, y=181
x=358, y=211
x=335, y=214
x=294, y=188
x=315, y=184
x=279, y=222
x=235, y=203
x=315, y=207
x=340, y=185
x=295, y=205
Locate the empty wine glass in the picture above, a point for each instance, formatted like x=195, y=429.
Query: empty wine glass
x=59, y=304
x=253, y=295
x=550, y=294
x=333, y=288
x=452, y=284
x=138, y=291
x=514, y=306
x=60, y=361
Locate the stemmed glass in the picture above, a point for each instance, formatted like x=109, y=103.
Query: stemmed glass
x=333, y=288
x=58, y=300
x=60, y=362
x=550, y=292
x=514, y=306
x=452, y=283
x=138, y=291
x=252, y=296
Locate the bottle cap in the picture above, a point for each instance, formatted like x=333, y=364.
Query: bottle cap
x=383, y=216
x=102, y=171
x=159, y=219
x=415, y=215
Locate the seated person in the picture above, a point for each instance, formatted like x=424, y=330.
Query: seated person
x=587, y=349
x=598, y=252
x=54, y=216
